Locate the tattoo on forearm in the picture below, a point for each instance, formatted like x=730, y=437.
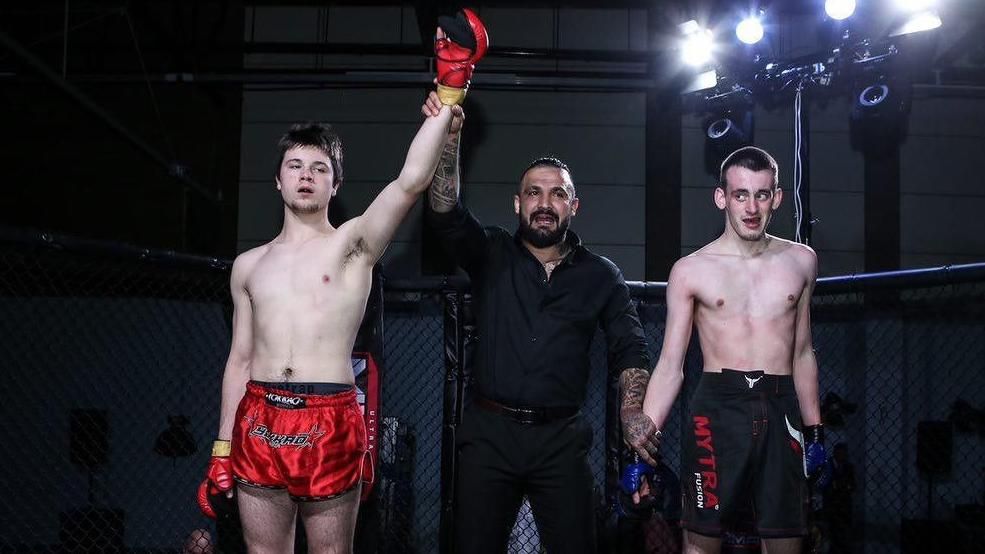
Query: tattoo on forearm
x=444, y=185
x=633, y=382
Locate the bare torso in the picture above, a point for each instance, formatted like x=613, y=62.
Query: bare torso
x=307, y=301
x=745, y=308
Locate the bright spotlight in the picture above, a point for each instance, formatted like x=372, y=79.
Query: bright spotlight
x=915, y=5
x=918, y=22
x=689, y=27
x=749, y=30
x=696, y=50
x=839, y=9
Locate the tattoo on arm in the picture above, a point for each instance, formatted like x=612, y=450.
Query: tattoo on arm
x=444, y=185
x=633, y=382
x=638, y=430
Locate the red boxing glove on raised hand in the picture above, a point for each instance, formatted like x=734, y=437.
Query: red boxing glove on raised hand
x=218, y=478
x=465, y=43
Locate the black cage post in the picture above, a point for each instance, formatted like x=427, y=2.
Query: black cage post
x=454, y=388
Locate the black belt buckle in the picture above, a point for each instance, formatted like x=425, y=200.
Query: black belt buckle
x=526, y=416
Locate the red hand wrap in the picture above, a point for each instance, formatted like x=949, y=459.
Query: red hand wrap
x=218, y=478
x=203, y=500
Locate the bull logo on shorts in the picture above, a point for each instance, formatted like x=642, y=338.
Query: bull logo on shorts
x=277, y=440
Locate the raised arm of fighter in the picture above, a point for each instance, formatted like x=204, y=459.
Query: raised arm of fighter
x=443, y=194
x=374, y=229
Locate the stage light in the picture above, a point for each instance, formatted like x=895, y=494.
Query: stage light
x=730, y=126
x=698, y=45
x=878, y=118
x=719, y=128
x=839, y=9
x=873, y=95
x=726, y=130
x=918, y=22
x=701, y=81
x=915, y=5
x=749, y=30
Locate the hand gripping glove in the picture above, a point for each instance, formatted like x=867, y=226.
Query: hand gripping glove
x=633, y=474
x=815, y=456
x=218, y=477
x=629, y=483
x=456, y=54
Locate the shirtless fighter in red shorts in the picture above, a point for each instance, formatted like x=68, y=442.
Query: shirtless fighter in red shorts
x=290, y=432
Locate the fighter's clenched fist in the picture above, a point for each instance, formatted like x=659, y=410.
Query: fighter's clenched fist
x=460, y=42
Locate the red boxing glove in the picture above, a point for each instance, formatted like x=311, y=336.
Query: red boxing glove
x=465, y=43
x=218, y=478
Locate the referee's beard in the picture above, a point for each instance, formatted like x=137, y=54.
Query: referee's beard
x=543, y=238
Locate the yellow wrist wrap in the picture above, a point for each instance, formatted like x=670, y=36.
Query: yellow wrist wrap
x=450, y=96
x=221, y=448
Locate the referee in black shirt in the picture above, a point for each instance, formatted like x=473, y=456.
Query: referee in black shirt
x=539, y=296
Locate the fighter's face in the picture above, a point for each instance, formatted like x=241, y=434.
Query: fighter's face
x=748, y=201
x=306, y=180
x=545, y=205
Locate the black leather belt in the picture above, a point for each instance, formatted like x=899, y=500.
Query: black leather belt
x=526, y=415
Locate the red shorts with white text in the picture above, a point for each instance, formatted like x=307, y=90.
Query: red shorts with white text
x=313, y=445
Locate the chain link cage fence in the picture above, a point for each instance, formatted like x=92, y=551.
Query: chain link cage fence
x=113, y=359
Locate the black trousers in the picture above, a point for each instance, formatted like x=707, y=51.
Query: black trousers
x=501, y=460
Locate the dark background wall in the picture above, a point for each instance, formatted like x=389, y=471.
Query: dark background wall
x=203, y=91
x=97, y=123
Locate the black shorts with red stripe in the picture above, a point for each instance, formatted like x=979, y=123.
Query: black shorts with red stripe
x=743, y=454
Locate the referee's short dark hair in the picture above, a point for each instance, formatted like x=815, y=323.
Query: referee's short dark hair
x=547, y=161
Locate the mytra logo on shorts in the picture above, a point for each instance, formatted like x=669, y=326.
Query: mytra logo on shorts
x=706, y=479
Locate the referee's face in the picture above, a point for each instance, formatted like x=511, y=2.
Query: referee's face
x=545, y=205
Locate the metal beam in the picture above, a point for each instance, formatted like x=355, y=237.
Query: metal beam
x=112, y=122
x=586, y=80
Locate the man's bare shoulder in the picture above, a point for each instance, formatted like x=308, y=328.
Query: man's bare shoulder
x=248, y=259
x=689, y=262
x=712, y=251
x=803, y=255
x=690, y=267
x=788, y=245
x=701, y=258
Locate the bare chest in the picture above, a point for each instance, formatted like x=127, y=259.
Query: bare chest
x=751, y=291
x=311, y=273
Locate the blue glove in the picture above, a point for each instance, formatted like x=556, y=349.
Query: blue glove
x=630, y=482
x=633, y=474
x=815, y=456
x=824, y=476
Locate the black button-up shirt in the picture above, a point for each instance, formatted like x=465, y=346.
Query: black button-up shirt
x=534, y=333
